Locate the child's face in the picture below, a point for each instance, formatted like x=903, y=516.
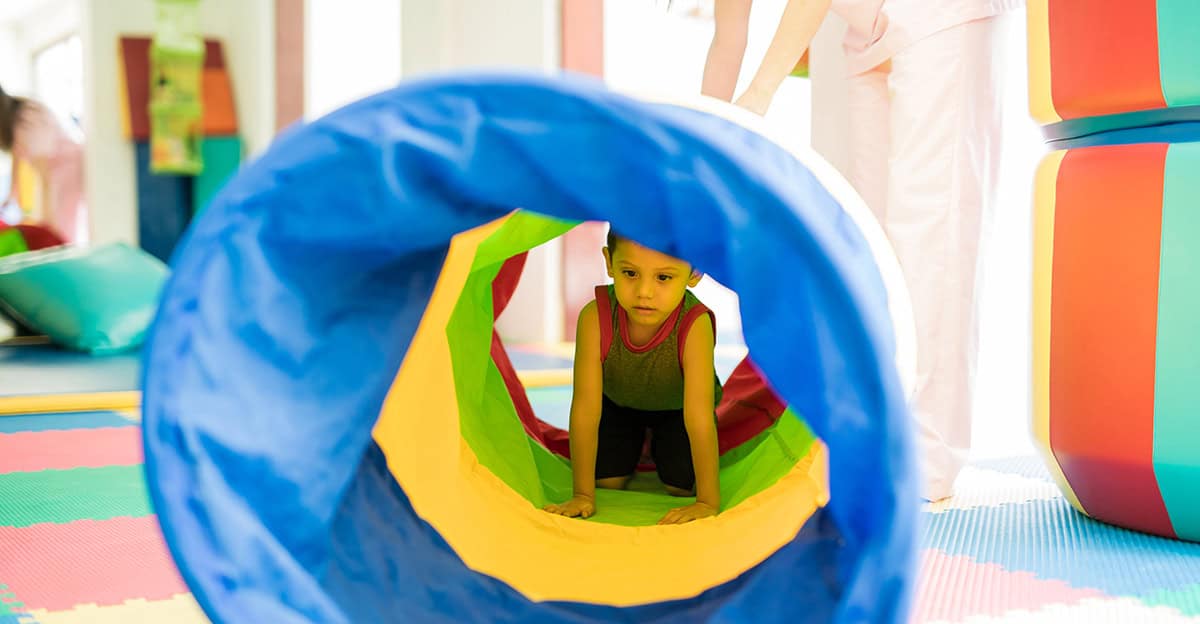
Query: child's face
x=649, y=284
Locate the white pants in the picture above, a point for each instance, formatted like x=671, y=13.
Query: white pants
x=925, y=136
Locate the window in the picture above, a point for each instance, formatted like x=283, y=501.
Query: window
x=58, y=82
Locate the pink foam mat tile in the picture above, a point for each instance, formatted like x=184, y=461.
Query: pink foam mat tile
x=953, y=588
x=1087, y=611
x=29, y=451
x=55, y=567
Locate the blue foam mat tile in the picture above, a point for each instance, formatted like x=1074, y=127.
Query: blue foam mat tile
x=1052, y=540
x=62, y=421
x=524, y=360
x=1030, y=466
x=46, y=369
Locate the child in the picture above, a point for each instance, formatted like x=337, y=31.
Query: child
x=30, y=132
x=644, y=360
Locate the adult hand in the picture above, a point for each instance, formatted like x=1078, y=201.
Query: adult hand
x=754, y=101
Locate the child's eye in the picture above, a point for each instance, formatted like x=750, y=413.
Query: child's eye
x=629, y=273
x=663, y=277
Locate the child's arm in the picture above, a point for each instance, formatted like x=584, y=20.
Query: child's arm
x=586, y=398
x=700, y=423
x=724, y=61
x=797, y=26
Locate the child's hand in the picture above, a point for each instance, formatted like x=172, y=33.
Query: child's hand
x=695, y=511
x=577, y=507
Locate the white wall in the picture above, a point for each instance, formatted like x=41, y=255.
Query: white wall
x=444, y=35
x=14, y=78
x=247, y=31
x=352, y=49
x=15, y=65
x=439, y=35
x=45, y=24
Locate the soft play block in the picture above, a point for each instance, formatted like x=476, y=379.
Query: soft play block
x=94, y=299
x=164, y=204
x=39, y=236
x=222, y=156
x=15, y=239
x=1116, y=343
x=220, y=116
x=11, y=241
x=1096, y=58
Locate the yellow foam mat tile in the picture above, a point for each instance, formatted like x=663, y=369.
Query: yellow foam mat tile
x=180, y=609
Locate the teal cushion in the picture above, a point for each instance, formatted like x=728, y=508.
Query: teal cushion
x=95, y=299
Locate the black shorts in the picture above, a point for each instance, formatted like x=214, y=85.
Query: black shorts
x=623, y=434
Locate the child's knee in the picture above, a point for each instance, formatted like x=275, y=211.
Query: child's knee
x=674, y=491
x=614, y=483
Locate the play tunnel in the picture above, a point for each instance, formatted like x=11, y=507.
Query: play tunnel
x=333, y=432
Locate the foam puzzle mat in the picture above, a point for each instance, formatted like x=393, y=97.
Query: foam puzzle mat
x=79, y=541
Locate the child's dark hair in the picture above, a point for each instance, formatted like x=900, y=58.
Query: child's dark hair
x=612, y=239
x=9, y=108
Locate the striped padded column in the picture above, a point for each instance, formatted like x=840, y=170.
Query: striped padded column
x=1091, y=73
x=1102, y=331
x=1177, y=352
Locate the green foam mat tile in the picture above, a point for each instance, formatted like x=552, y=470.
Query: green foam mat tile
x=61, y=496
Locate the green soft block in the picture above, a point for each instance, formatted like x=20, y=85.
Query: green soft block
x=94, y=299
x=12, y=242
x=222, y=156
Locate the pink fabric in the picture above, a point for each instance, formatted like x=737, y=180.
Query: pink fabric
x=39, y=139
x=925, y=155
x=878, y=29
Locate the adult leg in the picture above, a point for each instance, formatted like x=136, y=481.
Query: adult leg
x=944, y=156
x=869, y=137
